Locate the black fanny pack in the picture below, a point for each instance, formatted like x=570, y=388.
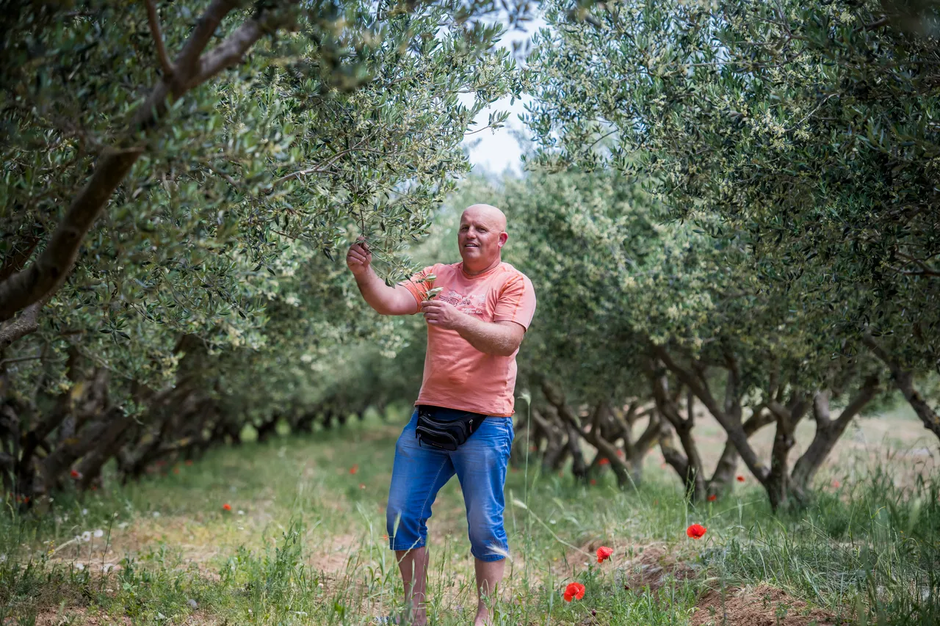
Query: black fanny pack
x=445, y=434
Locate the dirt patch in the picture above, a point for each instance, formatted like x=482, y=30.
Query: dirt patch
x=76, y=615
x=654, y=568
x=79, y=616
x=332, y=557
x=760, y=606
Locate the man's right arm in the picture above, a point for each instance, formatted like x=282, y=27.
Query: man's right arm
x=386, y=300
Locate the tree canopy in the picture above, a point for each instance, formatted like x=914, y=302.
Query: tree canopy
x=808, y=128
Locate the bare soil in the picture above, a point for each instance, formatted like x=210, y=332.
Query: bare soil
x=759, y=606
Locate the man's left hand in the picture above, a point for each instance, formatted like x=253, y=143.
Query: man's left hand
x=442, y=314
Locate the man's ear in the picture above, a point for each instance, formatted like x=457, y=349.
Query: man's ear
x=503, y=237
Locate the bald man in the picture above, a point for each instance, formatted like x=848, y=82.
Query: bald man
x=477, y=312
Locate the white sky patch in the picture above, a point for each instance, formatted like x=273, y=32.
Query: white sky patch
x=494, y=152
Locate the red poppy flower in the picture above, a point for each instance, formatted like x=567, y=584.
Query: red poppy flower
x=74, y=474
x=226, y=507
x=574, y=591
x=593, y=481
x=740, y=478
x=189, y=461
x=354, y=469
x=696, y=531
x=176, y=470
x=603, y=553
x=712, y=498
x=604, y=461
x=835, y=484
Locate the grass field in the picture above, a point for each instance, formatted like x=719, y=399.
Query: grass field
x=303, y=543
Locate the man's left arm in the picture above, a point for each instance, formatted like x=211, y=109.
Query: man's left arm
x=497, y=338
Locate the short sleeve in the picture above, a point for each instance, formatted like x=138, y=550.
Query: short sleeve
x=516, y=302
x=418, y=285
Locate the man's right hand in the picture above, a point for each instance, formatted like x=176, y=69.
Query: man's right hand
x=359, y=257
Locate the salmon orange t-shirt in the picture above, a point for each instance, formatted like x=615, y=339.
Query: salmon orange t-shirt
x=457, y=375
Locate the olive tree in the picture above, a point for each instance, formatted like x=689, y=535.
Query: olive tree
x=635, y=311
x=808, y=126
x=169, y=226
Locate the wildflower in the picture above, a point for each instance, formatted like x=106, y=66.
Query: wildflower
x=603, y=553
x=189, y=461
x=385, y=537
x=362, y=485
x=226, y=507
x=86, y=536
x=240, y=512
x=176, y=470
x=574, y=590
x=354, y=469
x=696, y=531
x=620, y=452
x=835, y=484
x=604, y=461
x=740, y=478
x=98, y=533
x=712, y=498
x=75, y=474
x=593, y=481
x=80, y=567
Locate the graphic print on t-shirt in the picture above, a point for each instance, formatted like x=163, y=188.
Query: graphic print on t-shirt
x=472, y=304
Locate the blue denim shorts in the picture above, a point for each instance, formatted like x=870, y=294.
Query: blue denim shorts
x=419, y=472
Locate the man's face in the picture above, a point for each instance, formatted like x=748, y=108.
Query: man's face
x=480, y=237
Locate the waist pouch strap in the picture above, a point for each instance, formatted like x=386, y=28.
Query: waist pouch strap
x=445, y=434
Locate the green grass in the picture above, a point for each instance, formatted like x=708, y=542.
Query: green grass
x=303, y=544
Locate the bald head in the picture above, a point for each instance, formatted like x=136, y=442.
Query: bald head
x=481, y=236
x=486, y=213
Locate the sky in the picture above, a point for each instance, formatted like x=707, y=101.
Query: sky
x=495, y=151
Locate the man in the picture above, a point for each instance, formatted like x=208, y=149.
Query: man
x=477, y=312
